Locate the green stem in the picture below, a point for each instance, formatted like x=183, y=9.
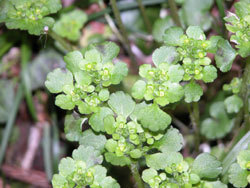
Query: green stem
x=65, y=44
x=134, y=169
x=174, y=12
x=244, y=94
x=25, y=57
x=144, y=16
x=10, y=123
x=124, y=6
x=125, y=36
x=232, y=155
x=195, y=119
x=47, y=151
x=221, y=8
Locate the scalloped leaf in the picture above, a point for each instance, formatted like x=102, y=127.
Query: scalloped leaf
x=89, y=138
x=153, y=118
x=118, y=161
x=172, y=36
x=159, y=161
x=225, y=55
x=96, y=120
x=238, y=176
x=70, y=23
x=192, y=92
x=219, y=124
x=206, y=166
x=73, y=127
x=164, y=54
x=121, y=103
x=87, y=154
x=170, y=142
x=57, y=79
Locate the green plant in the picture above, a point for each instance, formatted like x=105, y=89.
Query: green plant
x=137, y=130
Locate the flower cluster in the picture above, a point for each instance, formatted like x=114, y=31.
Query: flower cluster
x=162, y=83
x=239, y=25
x=128, y=138
x=84, y=85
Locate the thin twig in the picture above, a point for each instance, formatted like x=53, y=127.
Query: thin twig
x=195, y=119
x=136, y=175
x=144, y=16
x=124, y=35
x=10, y=123
x=174, y=12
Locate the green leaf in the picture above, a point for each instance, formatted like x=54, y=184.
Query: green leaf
x=164, y=54
x=93, y=56
x=121, y=103
x=206, y=166
x=109, y=122
x=233, y=104
x=243, y=159
x=66, y=167
x=213, y=44
x=87, y=154
x=89, y=138
x=192, y=92
x=149, y=174
x=59, y=181
x=82, y=78
x=238, y=176
x=195, y=32
x=218, y=184
x=73, y=127
x=209, y=73
x=64, y=102
x=138, y=89
x=57, y=79
x=120, y=71
x=70, y=23
x=111, y=145
x=225, y=55
x=219, y=124
x=159, y=161
x=104, y=94
x=153, y=118
x=175, y=73
x=172, y=36
x=197, y=12
x=170, y=142
x=174, y=93
x=117, y=161
x=160, y=26
x=109, y=182
x=29, y=15
x=109, y=51
x=100, y=173
x=7, y=97
x=73, y=59
x=96, y=120
x=135, y=153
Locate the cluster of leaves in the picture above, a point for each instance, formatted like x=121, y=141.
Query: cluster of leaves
x=69, y=24
x=83, y=169
x=171, y=170
x=29, y=15
x=221, y=113
x=239, y=174
x=233, y=103
x=134, y=128
x=184, y=58
x=84, y=83
x=239, y=25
